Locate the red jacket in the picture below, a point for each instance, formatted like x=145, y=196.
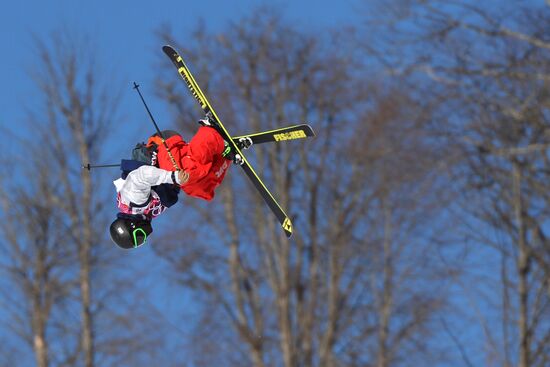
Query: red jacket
x=201, y=158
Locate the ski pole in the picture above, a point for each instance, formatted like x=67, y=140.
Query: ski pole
x=89, y=166
x=136, y=87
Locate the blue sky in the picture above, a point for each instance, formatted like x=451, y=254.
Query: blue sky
x=124, y=31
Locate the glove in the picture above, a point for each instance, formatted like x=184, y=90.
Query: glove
x=180, y=177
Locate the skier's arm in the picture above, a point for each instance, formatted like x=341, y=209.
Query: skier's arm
x=147, y=176
x=137, y=186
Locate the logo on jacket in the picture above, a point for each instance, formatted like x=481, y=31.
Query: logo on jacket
x=222, y=169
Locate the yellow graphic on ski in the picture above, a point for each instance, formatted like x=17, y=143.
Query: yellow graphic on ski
x=278, y=135
x=197, y=93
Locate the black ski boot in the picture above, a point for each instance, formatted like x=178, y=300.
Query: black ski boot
x=229, y=154
x=244, y=143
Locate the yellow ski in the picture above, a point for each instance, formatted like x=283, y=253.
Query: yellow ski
x=197, y=93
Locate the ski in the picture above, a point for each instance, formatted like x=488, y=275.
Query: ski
x=197, y=93
x=283, y=134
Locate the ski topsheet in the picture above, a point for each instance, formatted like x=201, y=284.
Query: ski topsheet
x=197, y=93
x=283, y=134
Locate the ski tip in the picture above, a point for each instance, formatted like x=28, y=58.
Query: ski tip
x=169, y=50
x=308, y=130
x=287, y=227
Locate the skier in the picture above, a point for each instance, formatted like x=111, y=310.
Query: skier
x=150, y=183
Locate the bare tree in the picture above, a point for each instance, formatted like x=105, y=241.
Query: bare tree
x=78, y=112
x=72, y=304
x=312, y=301
x=490, y=68
x=36, y=262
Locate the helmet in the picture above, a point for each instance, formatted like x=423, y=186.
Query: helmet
x=127, y=232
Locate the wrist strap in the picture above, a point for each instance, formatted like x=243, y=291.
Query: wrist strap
x=174, y=178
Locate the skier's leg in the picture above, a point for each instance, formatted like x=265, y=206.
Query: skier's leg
x=206, y=145
x=210, y=137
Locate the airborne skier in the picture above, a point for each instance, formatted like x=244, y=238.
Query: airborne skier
x=150, y=183
x=197, y=167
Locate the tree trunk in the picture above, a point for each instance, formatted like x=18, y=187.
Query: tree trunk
x=87, y=329
x=386, y=302
x=40, y=344
x=283, y=303
x=85, y=255
x=523, y=272
x=238, y=276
